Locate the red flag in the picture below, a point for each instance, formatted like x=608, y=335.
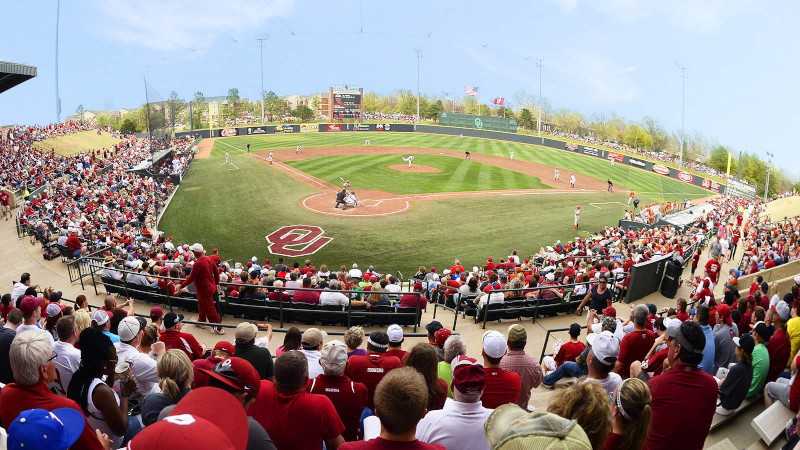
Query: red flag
x=499, y=101
x=473, y=91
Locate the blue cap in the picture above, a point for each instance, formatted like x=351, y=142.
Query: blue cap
x=37, y=429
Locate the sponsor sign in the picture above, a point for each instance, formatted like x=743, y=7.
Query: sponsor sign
x=256, y=130
x=571, y=146
x=228, y=132
x=297, y=240
x=383, y=126
x=307, y=128
x=637, y=163
x=284, y=129
x=334, y=127
x=686, y=177
x=616, y=156
x=360, y=127
x=658, y=168
x=591, y=151
x=711, y=185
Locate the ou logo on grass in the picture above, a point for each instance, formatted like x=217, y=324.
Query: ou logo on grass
x=297, y=240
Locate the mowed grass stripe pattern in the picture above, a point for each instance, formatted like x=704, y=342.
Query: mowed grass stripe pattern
x=651, y=186
x=455, y=174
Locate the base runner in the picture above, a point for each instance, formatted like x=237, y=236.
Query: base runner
x=270, y=158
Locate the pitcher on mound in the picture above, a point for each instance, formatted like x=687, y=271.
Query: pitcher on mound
x=410, y=160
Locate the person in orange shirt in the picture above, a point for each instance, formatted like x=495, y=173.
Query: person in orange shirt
x=630, y=197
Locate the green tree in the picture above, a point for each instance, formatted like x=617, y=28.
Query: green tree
x=526, y=119
x=274, y=106
x=371, y=102
x=719, y=159
x=176, y=106
x=233, y=101
x=198, y=107
x=303, y=112
x=434, y=109
x=637, y=137
x=505, y=111
x=128, y=126
x=80, y=112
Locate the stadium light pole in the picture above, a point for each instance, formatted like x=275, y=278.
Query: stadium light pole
x=419, y=55
x=683, y=109
x=769, y=166
x=58, y=99
x=261, y=47
x=539, y=120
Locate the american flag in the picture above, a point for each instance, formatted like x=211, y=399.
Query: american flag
x=473, y=91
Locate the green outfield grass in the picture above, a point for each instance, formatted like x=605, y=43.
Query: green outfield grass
x=77, y=142
x=455, y=174
x=645, y=184
x=234, y=210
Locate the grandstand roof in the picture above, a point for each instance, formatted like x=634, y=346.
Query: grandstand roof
x=12, y=74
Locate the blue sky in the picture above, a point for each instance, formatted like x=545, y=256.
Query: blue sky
x=598, y=56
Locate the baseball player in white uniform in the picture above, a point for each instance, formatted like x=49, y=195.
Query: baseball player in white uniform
x=367, y=143
x=512, y=155
x=577, y=216
x=270, y=158
x=298, y=149
x=410, y=160
x=572, y=180
x=227, y=156
x=556, y=174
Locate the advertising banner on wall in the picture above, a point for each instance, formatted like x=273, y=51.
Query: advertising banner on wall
x=616, y=156
x=228, y=132
x=660, y=169
x=257, y=130
x=686, y=177
x=309, y=128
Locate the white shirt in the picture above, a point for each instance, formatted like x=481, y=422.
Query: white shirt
x=494, y=297
x=314, y=368
x=394, y=289
x=17, y=292
x=333, y=298
x=24, y=327
x=609, y=384
x=143, y=368
x=458, y=425
x=67, y=362
x=355, y=273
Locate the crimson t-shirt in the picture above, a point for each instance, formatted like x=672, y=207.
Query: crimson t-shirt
x=713, y=270
x=380, y=443
x=306, y=297
x=779, y=348
x=634, y=347
x=295, y=421
x=569, y=351
x=674, y=425
x=370, y=369
x=501, y=387
x=656, y=362
x=348, y=397
x=400, y=354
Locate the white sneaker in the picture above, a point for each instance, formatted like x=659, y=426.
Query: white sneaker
x=219, y=331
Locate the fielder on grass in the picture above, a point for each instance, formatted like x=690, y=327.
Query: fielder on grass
x=577, y=216
x=227, y=155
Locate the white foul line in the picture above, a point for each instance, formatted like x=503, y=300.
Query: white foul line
x=298, y=173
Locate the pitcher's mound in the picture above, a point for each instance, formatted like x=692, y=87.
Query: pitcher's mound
x=414, y=168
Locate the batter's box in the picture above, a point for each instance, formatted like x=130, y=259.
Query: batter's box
x=369, y=203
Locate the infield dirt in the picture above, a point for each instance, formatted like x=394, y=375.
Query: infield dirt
x=378, y=203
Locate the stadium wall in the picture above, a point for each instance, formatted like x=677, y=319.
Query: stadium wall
x=618, y=157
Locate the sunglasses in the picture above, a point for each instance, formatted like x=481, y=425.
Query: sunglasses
x=55, y=355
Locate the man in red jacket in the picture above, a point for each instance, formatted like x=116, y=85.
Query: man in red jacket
x=205, y=277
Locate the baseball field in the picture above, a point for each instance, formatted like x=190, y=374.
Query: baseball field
x=444, y=207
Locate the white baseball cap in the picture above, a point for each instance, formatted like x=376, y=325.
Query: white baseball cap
x=604, y=347
x=550, y=276
x=197, y=247
x=129, y=327
x=395, y=333
x=100, y=316
x=494, y=344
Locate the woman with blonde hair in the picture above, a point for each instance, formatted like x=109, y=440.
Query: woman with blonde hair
x=353, y=338
x=587, y=403
x=177, y=374
x=377, y=296
x=630, y=408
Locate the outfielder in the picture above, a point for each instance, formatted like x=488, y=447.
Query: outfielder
x=227, y=155
x=410, y=160
x=512, y=155
x=577, y=216
x=367, y=143
x=572, y=180
x=611, y=158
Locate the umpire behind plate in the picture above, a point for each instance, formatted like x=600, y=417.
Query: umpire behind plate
x=340, y=197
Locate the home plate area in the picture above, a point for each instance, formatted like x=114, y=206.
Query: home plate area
x=370, y=204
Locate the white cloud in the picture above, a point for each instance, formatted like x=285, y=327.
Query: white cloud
x=606, y=81
x=182, y=24
x=693, y=15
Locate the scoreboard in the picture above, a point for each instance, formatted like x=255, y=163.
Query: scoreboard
x=346, y=105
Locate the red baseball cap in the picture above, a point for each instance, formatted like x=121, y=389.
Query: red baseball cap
x=29, y=304
x=156, y=312
x=468, y=375
x=610, y=311
x=418, y=286
x=219, y=407
x=441, y=336
x=226, y=347
x=724, y=311
x=183, y=431
x=373, y=279
x=236, y=373
x=489, y=259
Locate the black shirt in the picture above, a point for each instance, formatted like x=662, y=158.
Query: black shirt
x=736, y=385
x=598, y=301
x=6, y=336
x=259, y=357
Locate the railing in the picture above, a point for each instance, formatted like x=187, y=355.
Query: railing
x=79, y=268
x=547, y=337
x=129, y=290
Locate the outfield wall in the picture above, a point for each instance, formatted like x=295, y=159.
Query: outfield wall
x=587, y=150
